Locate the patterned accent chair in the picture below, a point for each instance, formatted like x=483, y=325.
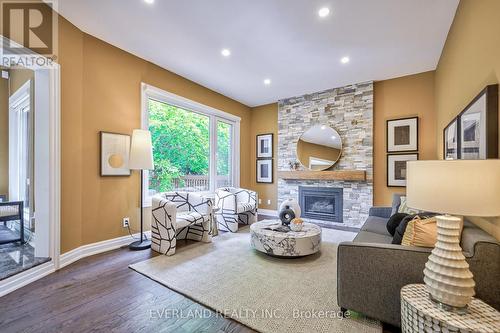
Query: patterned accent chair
x=179, y=215
x=235, y=206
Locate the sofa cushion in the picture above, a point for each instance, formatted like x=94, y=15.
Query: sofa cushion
x=376, y=224
x=372, y=237
x=394, y=222
x=400, y=230
x=396, y=201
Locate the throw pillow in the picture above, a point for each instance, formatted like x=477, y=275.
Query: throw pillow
x=420, y=232
x=400, y=230
x=403, y=207
x=394, y=221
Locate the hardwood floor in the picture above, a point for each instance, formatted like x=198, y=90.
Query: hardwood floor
x=101, y=294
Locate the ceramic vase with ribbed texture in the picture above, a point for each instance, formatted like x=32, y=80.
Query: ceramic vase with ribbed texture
x=446, y=274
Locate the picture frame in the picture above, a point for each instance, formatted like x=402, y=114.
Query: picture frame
x=264, y=145
x=402, y=135
x=114, y=151
x=478, y=126
x=451, y=140
x=264, y=171
x=396, y=168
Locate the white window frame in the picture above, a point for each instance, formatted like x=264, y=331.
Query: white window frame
x=151, y=92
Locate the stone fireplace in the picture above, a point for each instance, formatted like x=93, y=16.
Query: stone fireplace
x=349, y=110
x=322, y=203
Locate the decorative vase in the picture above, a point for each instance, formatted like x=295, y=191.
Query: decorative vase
x=446, y=274
x=293, y=205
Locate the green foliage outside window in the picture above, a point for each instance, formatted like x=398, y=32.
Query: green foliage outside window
x=181, y=145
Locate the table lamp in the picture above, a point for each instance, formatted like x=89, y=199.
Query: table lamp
x=459, y=188
x=141, y=158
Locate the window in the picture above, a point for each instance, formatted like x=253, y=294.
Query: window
x=195, y=147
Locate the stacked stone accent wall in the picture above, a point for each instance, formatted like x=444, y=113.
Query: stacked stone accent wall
x=349, y=110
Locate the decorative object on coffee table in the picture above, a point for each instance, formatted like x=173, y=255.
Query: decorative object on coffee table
x=402, y=135
x=463, y=188
x=266, y=237
x=297, y=224
x=397, y=169
x=289, y=209
x=141, y=158
x=419, y=314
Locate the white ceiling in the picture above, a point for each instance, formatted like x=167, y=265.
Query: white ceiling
x=284, y=40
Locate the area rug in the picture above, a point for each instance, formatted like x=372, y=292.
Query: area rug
x=264, y=293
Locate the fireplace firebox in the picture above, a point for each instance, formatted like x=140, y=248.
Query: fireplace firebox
x=321, y=203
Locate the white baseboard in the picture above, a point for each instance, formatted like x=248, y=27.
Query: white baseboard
x=268, y=212
x=95, y=248
x=24, y=278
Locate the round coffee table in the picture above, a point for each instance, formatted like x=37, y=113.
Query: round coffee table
x=265, y=238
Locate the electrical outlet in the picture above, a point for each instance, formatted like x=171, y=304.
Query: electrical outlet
x=260, y=201
x=126, y=222
x=269, y=201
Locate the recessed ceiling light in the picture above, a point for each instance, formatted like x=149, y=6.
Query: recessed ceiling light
x=225, y=52
x=323, y=127
x=334, y=137
x=324, y=12
x=150, y=2
x=267, y=82
x=345, y=60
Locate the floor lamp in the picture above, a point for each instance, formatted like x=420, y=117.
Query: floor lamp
x=141, y=158
x=460, y=188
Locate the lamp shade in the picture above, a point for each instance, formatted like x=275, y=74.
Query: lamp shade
x=461, y=187
x=141, y=151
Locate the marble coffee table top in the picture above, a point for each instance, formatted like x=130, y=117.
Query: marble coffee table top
x=267, y=227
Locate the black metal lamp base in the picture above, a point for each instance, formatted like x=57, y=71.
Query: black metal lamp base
x=140, y=245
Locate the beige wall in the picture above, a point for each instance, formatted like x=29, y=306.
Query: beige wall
x=4, y=136
x=402, y=97
x=101, y=92
x=18, y=77
x=264, y=121
x=469, y=62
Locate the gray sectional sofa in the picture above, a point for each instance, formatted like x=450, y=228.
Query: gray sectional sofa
x=372, y=271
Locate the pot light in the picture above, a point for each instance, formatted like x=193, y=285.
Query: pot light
x=323, y=127
x=324, y=12
x=225, y=52
x=345, y=60
x=149, y=2
x=267, y=82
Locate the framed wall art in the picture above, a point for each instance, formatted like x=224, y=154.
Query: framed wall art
x=265, y=171
x=402, y=135
x=115, y=149
x=478, y=126
x=396, y=168
x=450, y=138
x=265, y=145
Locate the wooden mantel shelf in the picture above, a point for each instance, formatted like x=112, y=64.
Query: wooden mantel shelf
x=346, y=175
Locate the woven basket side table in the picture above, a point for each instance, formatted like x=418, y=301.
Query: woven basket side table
x=420, y=314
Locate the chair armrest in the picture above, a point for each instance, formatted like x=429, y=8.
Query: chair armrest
x=164, y=215
x=384, y=212
x=200, y=204
x=370, y=277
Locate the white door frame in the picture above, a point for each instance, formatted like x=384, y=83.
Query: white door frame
x=49, y=110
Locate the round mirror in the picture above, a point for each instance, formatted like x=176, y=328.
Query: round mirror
x=319, y=148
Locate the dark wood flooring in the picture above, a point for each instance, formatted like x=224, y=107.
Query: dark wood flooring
x=101, y=294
